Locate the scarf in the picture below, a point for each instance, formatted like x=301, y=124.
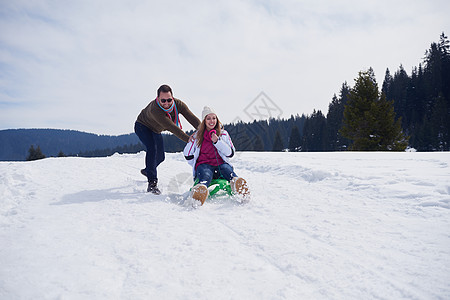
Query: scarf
x=169, y=111
x=208, y=153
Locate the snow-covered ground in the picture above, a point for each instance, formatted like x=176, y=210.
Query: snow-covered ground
x=318, y=226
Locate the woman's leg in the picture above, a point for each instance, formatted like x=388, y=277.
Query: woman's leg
x=204, y=174
x=227, y=171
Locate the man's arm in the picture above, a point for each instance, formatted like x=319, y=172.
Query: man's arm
x=170, y=126
x=188, y=115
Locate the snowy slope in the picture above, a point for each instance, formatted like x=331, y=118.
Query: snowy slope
x=319, y=226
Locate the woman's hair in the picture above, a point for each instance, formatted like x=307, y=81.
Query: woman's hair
x=202, y=127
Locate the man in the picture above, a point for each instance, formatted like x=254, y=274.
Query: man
x=159, y=115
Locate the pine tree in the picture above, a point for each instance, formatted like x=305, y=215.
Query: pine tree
x=295, y=140
x=258, y=144
x=444, y=47
x=390, y=135
x=440, y=125
x=241, y=139
x=315, y=133
x=35, y=154
x=387, y=83
x=335, y=118
x=278, y=143
x=432, y=133
x=369, y=120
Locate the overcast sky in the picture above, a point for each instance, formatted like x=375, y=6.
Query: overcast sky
x=93, y=65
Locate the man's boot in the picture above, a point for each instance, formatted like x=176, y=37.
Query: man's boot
x=153, y=188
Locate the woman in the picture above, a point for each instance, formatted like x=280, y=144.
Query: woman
x=209, y=155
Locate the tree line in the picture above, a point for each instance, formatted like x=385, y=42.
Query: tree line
x=407, y=111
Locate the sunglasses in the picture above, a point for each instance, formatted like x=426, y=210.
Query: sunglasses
x=166, y=100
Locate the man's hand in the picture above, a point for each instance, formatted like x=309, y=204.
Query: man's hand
x=192, y=137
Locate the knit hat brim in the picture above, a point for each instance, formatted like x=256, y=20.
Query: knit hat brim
x=206, y=111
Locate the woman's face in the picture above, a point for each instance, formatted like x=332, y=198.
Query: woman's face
x=210, y=121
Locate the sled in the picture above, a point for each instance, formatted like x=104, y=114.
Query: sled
x=218, y=187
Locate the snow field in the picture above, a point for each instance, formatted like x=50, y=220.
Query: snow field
x=319, y=226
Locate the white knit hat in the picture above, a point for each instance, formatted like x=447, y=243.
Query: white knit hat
x=206, y=111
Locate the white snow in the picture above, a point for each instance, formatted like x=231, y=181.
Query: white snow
x=319, y=226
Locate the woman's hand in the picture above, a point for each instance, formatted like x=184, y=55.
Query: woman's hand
x=214, y=137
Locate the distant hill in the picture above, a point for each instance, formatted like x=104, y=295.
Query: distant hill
x=14, y=143
x=254, y=136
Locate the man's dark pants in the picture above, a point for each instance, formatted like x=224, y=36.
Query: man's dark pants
x=154, y=144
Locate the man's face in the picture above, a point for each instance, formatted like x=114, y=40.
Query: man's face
x=163, y=99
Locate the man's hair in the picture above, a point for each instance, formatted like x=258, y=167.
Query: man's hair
x=164, y=89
